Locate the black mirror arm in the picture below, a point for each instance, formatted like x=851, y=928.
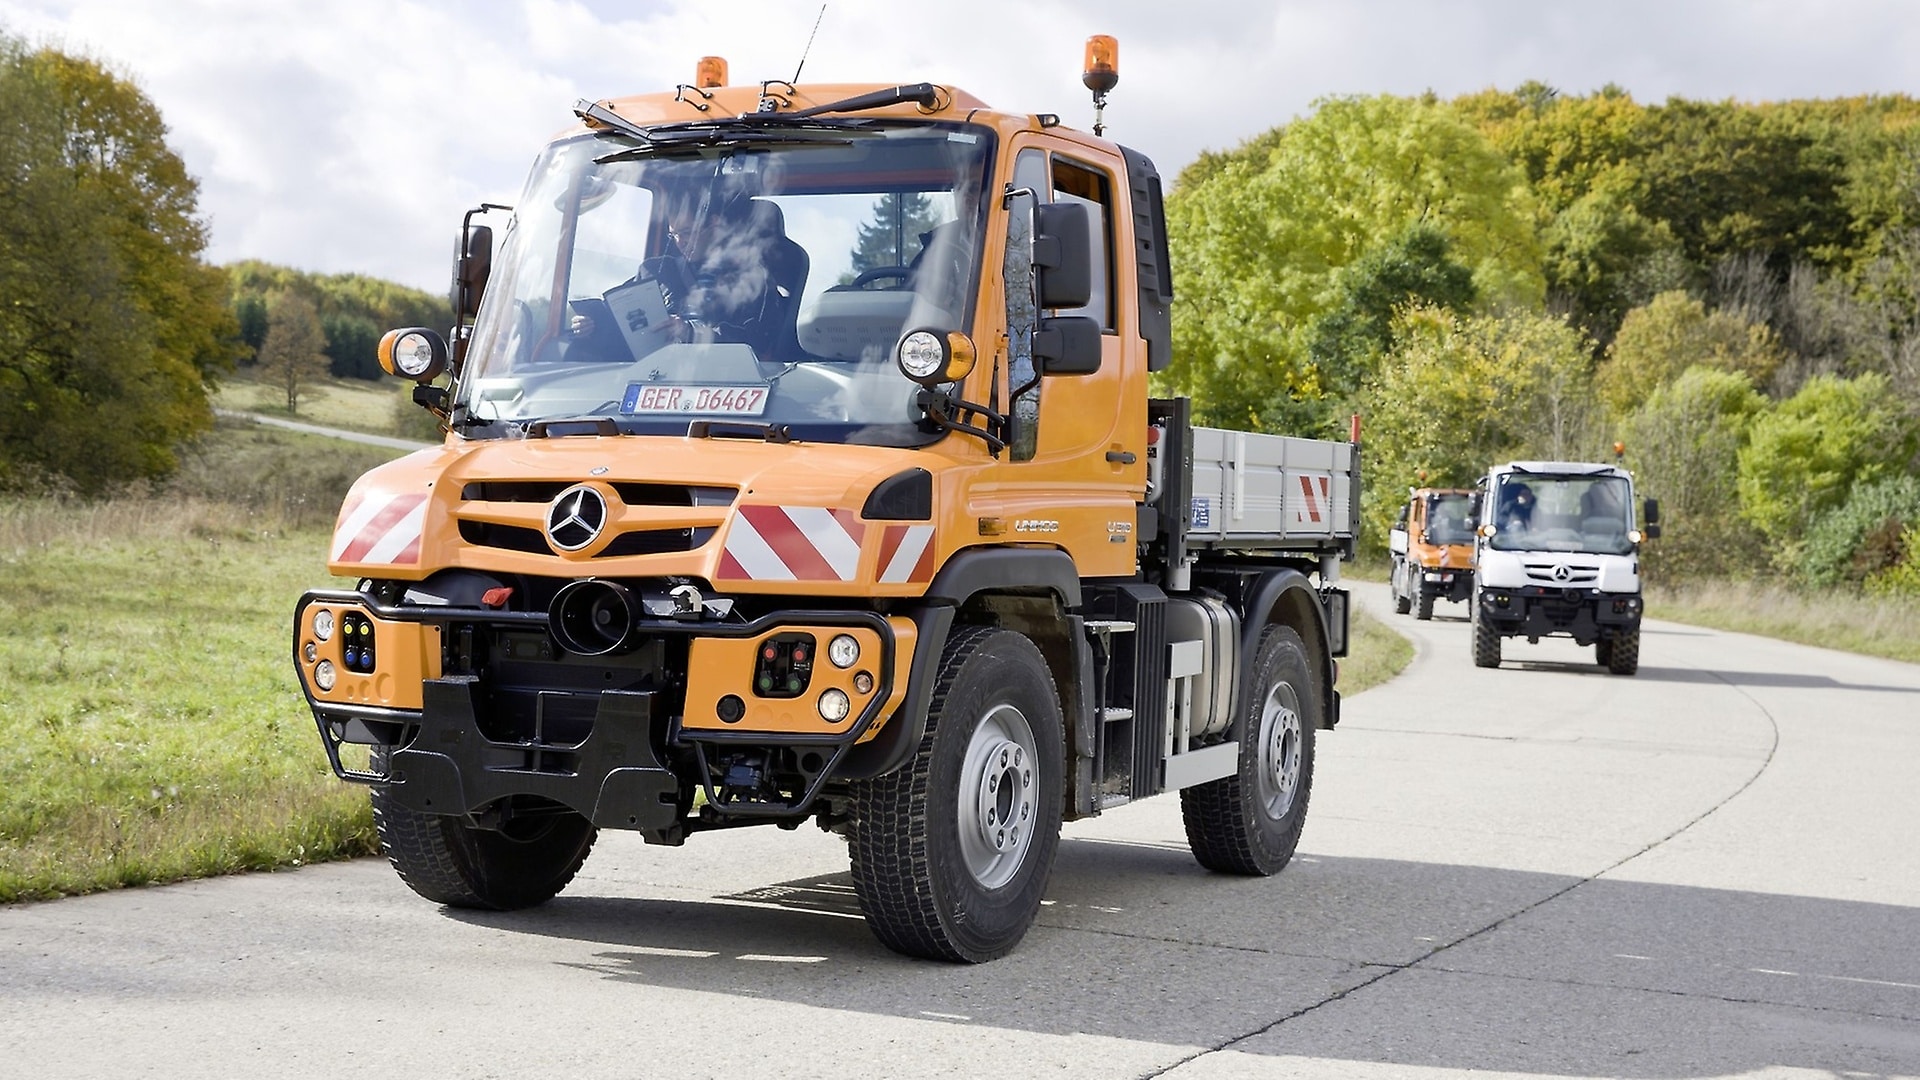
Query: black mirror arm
x=939, y=408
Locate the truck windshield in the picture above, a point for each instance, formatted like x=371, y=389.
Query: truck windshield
x=1449, y=519
x=1536, y=512
x=764, y=280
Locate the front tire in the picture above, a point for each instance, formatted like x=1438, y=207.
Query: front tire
x=1623, y=654
x=1486, y=640
x=442, y=858
x=951, y=852
x=1249, y=823
x=1425, y=611
x=1401, y=602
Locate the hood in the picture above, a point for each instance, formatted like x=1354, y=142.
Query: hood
x=737, y=513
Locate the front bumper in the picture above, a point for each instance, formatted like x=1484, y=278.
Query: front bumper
x=467, y=707
x=1445, y=583
x=1537, y=611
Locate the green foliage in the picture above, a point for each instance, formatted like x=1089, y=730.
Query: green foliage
x=1730, y=179
x=1683, y=444
x=1672, y=333
x=1259, y=243
x=1805, y=455
x=354, y=309
x=1837, y=548
x=1457, y=394
x=1902, y=577
x=1412, y=267
x=112, y=327
x=351, y=347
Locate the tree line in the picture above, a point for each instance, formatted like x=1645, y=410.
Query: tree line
x=1730, y=290
x=113, y=328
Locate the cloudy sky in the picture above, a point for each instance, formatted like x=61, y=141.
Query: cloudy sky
x=350, y=135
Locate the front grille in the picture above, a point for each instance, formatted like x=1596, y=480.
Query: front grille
x=632, y=493
x=1576, y=577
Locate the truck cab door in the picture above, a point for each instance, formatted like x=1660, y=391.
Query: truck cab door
x=1074, y=472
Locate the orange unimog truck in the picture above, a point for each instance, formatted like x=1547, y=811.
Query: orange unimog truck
x=800, y=464
x=1431, y=545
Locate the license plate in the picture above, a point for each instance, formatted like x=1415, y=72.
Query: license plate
x=683, y=399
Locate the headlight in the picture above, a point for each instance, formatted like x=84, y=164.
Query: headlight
x=323, y=624
x=843, y=651
x=834, y=706
x=323, y=675
x=921, y=355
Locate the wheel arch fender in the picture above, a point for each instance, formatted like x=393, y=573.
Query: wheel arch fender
x=1286, y=598
x=975, y=581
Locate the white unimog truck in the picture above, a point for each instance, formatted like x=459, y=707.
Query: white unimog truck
x=1558, y=555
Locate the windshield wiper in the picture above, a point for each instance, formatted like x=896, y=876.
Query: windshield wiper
x=925, y=95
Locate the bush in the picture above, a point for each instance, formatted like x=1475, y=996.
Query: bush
x=1838, y=545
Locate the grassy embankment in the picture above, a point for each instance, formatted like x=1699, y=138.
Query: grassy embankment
x=153, y=725
x=380, y=408
x=1843, y=619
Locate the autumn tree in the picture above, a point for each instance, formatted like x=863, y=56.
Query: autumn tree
x=112, y=327
x=1683, y=444
x=1805, y=455
x=294, y=348
x=1671, y=334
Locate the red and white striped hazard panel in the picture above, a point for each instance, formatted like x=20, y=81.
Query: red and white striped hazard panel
x=906, y=554
x=793, y=543
x=1315, y=502
x=380, y=527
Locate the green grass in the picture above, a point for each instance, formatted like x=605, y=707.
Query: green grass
x=384, y=407
x=1843, y=619
x=153, y=727
x=1375, y=653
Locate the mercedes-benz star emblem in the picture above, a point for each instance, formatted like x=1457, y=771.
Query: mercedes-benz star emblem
x=1563, y=572
x=575, y=518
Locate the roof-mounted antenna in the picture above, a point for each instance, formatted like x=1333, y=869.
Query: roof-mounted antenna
x=1100, y=73
x=809, y=48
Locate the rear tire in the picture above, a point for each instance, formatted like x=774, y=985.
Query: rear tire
x=1401, y=602
x=951, y=852
x=450, y=862
x=1486, y=640
x=1623, y=655
x=1249, y=823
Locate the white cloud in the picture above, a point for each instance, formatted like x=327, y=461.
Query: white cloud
x=350, y=135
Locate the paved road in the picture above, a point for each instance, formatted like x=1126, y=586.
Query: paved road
x=1709, y=870
x=387, y=441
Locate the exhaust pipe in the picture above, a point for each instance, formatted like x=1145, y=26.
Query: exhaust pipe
x=593, y=618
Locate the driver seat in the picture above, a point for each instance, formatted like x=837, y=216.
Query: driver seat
x=758, y=275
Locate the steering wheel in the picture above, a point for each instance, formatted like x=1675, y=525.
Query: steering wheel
x=883, y=273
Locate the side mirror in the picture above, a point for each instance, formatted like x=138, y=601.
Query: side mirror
x=472, y=262
x=1061, y=243
x=1067, y=345
x=1651, y=514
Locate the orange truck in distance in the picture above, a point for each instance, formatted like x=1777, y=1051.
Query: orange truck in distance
x=800, y=464
x=1431, y=547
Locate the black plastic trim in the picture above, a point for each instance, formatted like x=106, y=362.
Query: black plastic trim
x=905, y=496
x=1006, y=570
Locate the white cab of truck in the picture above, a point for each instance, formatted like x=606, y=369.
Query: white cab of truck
x=1557, y=554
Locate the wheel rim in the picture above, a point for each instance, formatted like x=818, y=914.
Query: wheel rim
x=1278, y=775
x=998, y=799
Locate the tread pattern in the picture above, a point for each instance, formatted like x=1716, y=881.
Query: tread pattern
x=451, y=863
x=1218, y=814
x=892, y=859
x=1486, y=641
x=1425, y=610
x=1623, y=658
